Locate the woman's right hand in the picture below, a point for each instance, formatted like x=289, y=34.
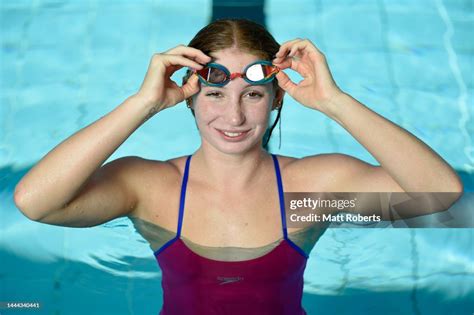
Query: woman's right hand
x=158, y=90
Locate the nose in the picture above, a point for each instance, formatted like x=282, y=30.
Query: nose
x=234, y=114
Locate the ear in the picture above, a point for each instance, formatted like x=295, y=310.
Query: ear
x=278, y=100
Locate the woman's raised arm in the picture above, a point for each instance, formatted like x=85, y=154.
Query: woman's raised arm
x=406, y=163
x=69, y=187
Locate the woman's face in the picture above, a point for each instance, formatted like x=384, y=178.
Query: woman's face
x=233, y=118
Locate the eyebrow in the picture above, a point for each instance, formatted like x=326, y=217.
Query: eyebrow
x=244, y=87
x=225, y=86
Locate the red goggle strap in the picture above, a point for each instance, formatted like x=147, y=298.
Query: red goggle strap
x=236, y=75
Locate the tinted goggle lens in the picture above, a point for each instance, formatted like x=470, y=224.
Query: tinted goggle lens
x=212, y=75
x=259, y=72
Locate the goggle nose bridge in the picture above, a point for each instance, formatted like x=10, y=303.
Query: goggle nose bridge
x=236, y=75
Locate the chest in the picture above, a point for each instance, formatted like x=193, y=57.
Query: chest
x=249, y=219
x=219, y=218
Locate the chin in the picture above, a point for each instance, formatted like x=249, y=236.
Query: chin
x=232, y=148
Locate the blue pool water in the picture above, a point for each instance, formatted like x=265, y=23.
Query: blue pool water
x=66, y=64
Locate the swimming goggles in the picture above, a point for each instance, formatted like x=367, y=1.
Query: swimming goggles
x=258, y=72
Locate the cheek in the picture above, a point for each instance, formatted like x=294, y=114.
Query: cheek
x=255, y=111
x=258, y=115
x=206, y=114
x=259, y=111
x=204, y=110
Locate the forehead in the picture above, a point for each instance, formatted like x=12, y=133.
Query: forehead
x=233, y=59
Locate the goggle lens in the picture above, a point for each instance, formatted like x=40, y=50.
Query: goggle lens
x=258, y=72
x=212, y=75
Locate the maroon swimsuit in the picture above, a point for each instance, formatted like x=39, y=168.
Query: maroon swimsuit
x=271, y=284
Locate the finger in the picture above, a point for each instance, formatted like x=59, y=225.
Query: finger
x=294, y=50
x=191, y=87
x=190, y=52
x=285, y=47
x=285, y=83
x=302, y=46
x=284, y=63
x=297, y=48
x=295, y=64
x=176, y=62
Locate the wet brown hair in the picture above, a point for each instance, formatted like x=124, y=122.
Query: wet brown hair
x=247, y=36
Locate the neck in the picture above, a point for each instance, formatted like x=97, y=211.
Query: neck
x=236, y=171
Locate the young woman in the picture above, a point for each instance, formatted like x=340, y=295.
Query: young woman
x=216, y=219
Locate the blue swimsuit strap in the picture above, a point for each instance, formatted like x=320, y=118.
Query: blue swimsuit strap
x=280, y=194
x=183, y=196
x=181, y=209
x=282, y=208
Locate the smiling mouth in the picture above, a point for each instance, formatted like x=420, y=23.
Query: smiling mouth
x=233, y=136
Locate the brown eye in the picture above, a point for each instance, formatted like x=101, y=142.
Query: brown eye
x=213, y=94
x=254, y=94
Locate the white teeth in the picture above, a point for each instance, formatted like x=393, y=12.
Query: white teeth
x=233, y=134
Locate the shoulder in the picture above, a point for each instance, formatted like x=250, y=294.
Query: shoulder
x=135, y=168
x=321, y=172
x=296, y=171
x=338, y=172
x=284, y=161
x=151, y=180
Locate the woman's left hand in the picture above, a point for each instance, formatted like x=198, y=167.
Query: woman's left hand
x=317, y=89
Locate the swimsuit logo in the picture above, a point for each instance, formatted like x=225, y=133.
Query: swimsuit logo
x=226, y=280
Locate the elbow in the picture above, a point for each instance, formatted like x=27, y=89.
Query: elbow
x=19, y=199
x=453, y=193
x=457, y=188
x=459, y=191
